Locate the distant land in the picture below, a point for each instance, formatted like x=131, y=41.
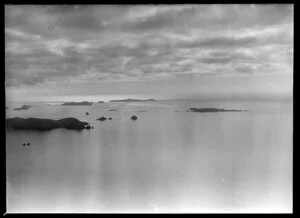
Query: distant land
x=132, y=100
x=99, y=102
x=24, y=107
x=45, y=124
x=77, y=103
x=206, y=110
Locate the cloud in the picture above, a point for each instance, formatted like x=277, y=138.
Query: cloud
x=157, y=17
x=246, y=69
x=215, y=60
x=221, y=42
x=99, y=43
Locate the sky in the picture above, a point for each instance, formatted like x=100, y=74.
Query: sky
x=80, y=52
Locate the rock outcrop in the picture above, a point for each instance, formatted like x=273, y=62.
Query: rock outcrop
x=101, y=118
x=134, y=117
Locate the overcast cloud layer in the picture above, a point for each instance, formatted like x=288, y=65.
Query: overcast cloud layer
x=53, y=44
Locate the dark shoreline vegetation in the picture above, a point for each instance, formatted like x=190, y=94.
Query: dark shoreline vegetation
x=132, y=100
x=24, y=107
x=71, y=123
x=206, y=110
x=77, y=103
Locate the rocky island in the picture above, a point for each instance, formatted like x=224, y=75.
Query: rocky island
x=24, y=107
x=134, y=117
x=206, y=110
x=132, y=100
x=45, y=124
x=77, y=103
x=101, y=118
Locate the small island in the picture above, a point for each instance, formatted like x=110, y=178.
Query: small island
x=134, y=117
x=101, y=118
x=132, y=100
x=77, y=103
x=207, y=110
x=18, y=123
x=100, y=102
x=24, y=107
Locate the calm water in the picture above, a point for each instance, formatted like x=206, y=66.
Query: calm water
x=166, y=161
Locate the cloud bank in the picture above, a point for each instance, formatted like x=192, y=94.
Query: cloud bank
x=51, y=44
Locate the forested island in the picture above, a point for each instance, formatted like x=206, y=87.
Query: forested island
x=45, y=124
x=206, y=110
x=24, y=107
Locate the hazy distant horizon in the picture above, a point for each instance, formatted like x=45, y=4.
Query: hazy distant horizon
x=107, y=98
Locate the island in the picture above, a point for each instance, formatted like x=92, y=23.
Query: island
x=77, y=103
x=100, y=102
x=24, y=107
x=206, y=110
x=132, y=100
x=18, y=123
x=101, y=118
x=134, y=117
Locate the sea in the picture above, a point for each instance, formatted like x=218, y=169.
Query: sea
x=167, y=161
